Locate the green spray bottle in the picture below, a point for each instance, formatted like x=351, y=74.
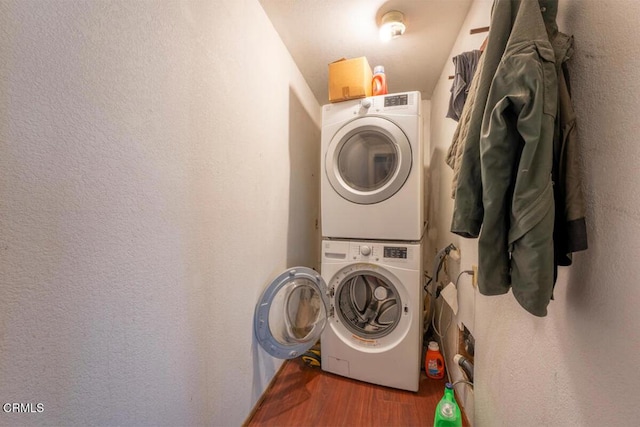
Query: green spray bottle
x=447, y=411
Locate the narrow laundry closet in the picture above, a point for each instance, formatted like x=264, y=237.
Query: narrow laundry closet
x=160, y=166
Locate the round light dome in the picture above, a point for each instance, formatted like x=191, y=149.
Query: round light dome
x=392, y=25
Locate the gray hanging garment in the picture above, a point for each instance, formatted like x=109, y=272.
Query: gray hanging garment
x=465, y=67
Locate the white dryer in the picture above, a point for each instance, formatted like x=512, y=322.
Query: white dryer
x=365, y=307
x=372, y=168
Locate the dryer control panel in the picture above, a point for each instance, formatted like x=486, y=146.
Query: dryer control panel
x=396, y=100
x=402, y=104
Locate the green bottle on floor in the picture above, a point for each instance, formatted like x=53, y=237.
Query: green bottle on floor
x=447, y=411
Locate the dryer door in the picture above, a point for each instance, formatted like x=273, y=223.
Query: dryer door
x=291, y=313
x=368, y=160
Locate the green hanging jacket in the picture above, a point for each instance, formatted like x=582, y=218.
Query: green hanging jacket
x=504, y=191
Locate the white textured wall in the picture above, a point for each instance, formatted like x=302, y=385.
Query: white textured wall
x=441, y=203
x=577, y=366
x=147, y=195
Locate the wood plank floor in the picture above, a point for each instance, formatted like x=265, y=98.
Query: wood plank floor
x=306, y=396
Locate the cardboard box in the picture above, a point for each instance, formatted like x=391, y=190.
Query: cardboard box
x=349, y=79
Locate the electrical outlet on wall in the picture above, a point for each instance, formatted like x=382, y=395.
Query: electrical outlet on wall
x=474, y=278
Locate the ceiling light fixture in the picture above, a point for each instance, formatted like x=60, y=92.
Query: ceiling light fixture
x=392, y=25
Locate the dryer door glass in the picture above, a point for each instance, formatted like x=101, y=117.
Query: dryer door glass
x=291, y=313
x=368, y=304
x=368, y=160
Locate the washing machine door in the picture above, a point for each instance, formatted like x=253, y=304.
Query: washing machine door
x=369, y=303
x=368, y=160
x=292, y=313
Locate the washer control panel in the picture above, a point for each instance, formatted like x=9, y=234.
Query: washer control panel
x=399, y=252
x=392, y=252
x=364, y=251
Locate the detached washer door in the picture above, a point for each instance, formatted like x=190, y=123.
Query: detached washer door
x=368, y=160
x=291, y=313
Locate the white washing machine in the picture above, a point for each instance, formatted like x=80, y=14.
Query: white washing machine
x=375, y=289
x=366, y=307
x=372, y=168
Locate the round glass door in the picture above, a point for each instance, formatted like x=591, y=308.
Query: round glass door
x=368, y=304
x=291, y=313
x=368, y=160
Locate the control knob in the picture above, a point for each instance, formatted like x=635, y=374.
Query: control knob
x=365, y=103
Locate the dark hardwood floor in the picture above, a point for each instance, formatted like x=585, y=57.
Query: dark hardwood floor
x=304, y=396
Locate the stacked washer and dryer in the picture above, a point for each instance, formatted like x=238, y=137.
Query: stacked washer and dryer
x=372, y=215
x=366, y=304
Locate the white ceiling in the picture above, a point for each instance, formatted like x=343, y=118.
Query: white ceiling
x=318, y=32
